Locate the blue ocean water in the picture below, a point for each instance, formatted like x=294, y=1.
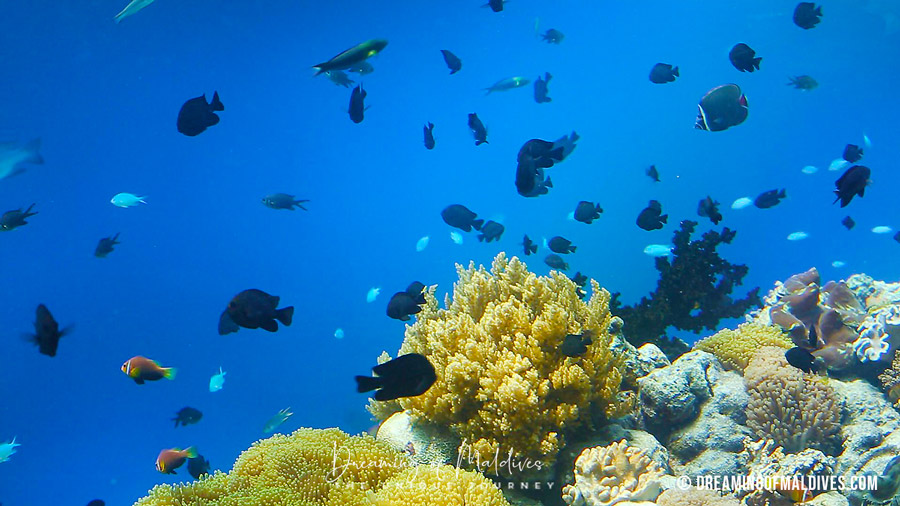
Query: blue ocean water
x=104, y=97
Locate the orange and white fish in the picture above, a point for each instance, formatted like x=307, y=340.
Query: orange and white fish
x=142, y=369
x=170, y=460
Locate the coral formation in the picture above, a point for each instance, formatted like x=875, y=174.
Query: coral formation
x=693, y=291
x=614, y=474
x=503, y=385
x=794, y=409
x=734, y=348
x=695, y=497
x=439, y=486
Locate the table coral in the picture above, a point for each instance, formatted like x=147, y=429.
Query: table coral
x=614, y=474
x=734, y=348
x=503, y=386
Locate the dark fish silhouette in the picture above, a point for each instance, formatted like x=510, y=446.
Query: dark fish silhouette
x=744, y=58
x=536, y=155
x=46, y=332
x=106, y=246
x=807, y=15
x=491, y=231
x=579, y=279
x=897, y=237
x=848, y=223
x=339, y=78
x=853, y=153
x=429, y=135
x=540, y=89
x=196, y=115
x=802, y=359
x=357, y=104
x=769, y=198
x=575, y=345
x=709, y=208
x=553, y=36
x=407, y=303
x=96, y=502
x=253, y=309
x=722, y=107
x=405, y=376
x=362, y=68
x=187, y=416
x=555, y=261
x=851, y=183
x=198, y=466
x=652, y=173
x=587, y=212
x=478, y=129
x=453, y=62
x=805, y=83
x=651, y=217
x=283, y=201
x=561, y=245
x=16, y=218
x=530, y=247
x=663, y=73
x=459, y=216
x=495, y=5
x=353, y=56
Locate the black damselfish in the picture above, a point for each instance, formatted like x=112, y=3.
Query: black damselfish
x=405, y=376
x=196, y=115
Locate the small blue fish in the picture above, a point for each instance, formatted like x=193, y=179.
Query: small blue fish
x=422, y=243
x=456, y=237
x=838, y=264
x=339, y=333
x=507, y=84
x=797, y=236
x=809, y=169
x=882, y=229
x=127, y=200
x=658, y=250
x=372, y=294
x=742, y=203
x=217, y=381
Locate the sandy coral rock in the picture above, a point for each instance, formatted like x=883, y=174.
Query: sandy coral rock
x=425, y=443
x=614, y=474
x=671, y=396
x=646, y=359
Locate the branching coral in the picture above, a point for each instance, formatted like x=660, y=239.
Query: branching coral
x=693, y=291
x=734, y=348
x=502, y=384
x=794, y=409
x=608, y=475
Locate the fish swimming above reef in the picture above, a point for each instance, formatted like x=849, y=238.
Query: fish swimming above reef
x=575, y=345
x=510, y=83
x=802, y=359
x=276, y=420
x=587, y=212
x=453, y=62
x=217, y=381
x=339, y=78
x=142, y=369
x=15, y=218
x=805, y=83
x=658, y=250
x=536, y=155
x=744, y=58
x=133, y=7
x=196, y=115
x=126, y=200
x=651, y=217
x=663, y=73
x=407, y=303
x=14, y=155
x=851, y=183
x=478, y=129
x=807, y=15
x=459, y=216
x=197, y=466
x=495, y=5
x=848, y=223
x=253, y=309
x=721, y=108
x=555, y=261
x=852, y=153
x=187, y=416
x=553, y=36
x=769, y=198
x=283, y=201
x=46, y=332
x=429, y=135
x=106, y=246
x=709, y=208
x=540, y=89
x=561, y=245
x=491, y=231
x=170, y=460
x=529, y=246
x=357, y=104
x=353, y=56
x=405, y=376
x=652, y=173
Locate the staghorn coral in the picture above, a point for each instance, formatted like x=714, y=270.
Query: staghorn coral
x=311, y=467
x=693, y=291
x=794, y=409
x=734, y=348
x=502, y=384
x=439, y=486
x=608, y=475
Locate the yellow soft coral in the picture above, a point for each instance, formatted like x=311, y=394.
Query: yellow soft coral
x=310, y=467
x=734, y=348
x=502, y=383
x=439, y=486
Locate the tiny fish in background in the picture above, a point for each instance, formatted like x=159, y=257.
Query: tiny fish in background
x=882, y=229
x=46, y=332
x=283, y=201
x=429, y=135
x=339, y=333
x=807, y=15
x=461, y=217
x=658, y=250
x=170, y=460
x=663, y=73
x=848, y=223
x=126, y=200
x=97, y=502
x=652, y=173
x=453, y=62
x=553, y=36
x=406, y=303
x=797, y=236
x=422, y=243
x=510, y=83
x=770, y=198
x=196, y=115
x=187, y=416
x=339, y=78
x=805, y=83
x=456, y=237
x=744, y=58
x=495, y=5
x=142, y=369
x=540, y=89
x=362, y=68
x=372, y=294
x=276, y=420
x=352, y=57
x=742, y=203
x=838, y=264
x=491, y=231
x=587, y=212
x=838, y=164
x=561, y=245
x=106, y=246
x=529, y=245
x=709, y=208
x=217, y=381
x=852, y=153
x=809, y=169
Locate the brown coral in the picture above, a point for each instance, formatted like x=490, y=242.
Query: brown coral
x=734, y=348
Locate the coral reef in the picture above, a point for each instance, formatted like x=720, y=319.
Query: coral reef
x=734, y=348
x=766, y=459
x=695, y=497
x=426, y=443
x=890, y=380
x=503, y=386
x=693, y=291
x=438, y=486
x=794, y=409
x=614, y=474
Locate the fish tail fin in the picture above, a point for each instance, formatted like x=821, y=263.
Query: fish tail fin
x=664, y=218
x=675, y=72
x=756, y=62
x=169, y=373
x=782, y=194
x=190, y=452
x=533, y=248
x=367, y=383
x=572, y=249
x=548, y=183
x=819, y=10
x=285, y=315
x=216, y=104
x=476, y=224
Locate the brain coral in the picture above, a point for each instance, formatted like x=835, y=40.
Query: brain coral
x=502, y=383
x=794, y=409
x=307, y=468
x=735, y=347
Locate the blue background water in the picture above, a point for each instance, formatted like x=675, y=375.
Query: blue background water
x=103, y=97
